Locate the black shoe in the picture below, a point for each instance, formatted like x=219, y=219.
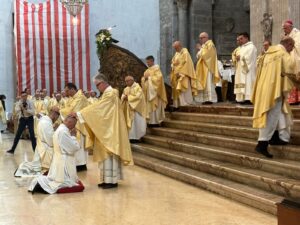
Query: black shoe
x=247, y=102
x=81, y=168
x=207, y=103
x=109, y=185
x=134, y=141
x=262, y=148
x=154, y=125
x=275, y=140
x=10, y=152
x=101, y=185
x=173, y=109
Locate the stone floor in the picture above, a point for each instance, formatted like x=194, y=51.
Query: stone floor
x=143, y=198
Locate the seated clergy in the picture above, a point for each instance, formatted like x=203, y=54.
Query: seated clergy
x=44, y=150
x=154, y=92
x=62, y=173
x=134, y=107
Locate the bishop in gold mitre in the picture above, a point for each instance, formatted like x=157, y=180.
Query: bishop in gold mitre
x=76, y=102
x=183, y=77
x=134, y=107
x=272, y=115
x=207, y=70
x=155, y=93
x=105, y=123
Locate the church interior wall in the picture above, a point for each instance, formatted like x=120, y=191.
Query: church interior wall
x=137, y=30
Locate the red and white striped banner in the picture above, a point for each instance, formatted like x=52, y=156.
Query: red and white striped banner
x=51, y=50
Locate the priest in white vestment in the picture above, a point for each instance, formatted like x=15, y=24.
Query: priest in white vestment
x=44, y=149
x=134, y=106
x=245, y=77
x=62, y=171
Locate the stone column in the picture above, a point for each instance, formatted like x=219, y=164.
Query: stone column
x=182, y=6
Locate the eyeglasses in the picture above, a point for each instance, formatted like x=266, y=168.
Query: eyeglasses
x=99, y=83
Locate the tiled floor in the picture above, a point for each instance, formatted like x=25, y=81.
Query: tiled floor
x=142, y=198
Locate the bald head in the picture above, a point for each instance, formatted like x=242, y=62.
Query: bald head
x=54, y=113
x=177, y=46
x=203, y=37
x=129, y=80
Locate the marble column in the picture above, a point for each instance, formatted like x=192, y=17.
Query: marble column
x=182, y=6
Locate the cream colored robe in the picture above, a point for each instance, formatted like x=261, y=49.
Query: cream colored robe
x=183, y=79
x=107, y=127
x=62, y=172
x=135, y=111
x=155, y=95
x=43, y=152
x=245, y=78
x=271, y=84
x=207, y=72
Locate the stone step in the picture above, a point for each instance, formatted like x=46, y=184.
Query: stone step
x=243, y=144
x=220, y=119
x=284, y=167
x=241, y=193
x=228, y=130
x=278, y=184
x=229, y=109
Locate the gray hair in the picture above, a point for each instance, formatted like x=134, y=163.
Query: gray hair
x=100, y=77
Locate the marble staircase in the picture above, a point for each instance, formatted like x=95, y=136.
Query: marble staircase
x=212, y=147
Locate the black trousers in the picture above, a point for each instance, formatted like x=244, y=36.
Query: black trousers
x=23, y=122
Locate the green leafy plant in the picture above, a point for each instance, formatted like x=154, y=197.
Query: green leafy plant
x=103, y=41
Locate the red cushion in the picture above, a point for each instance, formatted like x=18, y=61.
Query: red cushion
x=77, y=188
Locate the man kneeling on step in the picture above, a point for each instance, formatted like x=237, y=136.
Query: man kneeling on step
x=62, y=173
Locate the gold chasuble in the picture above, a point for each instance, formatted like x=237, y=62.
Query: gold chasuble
x=236, y=65
x=40, y=107
x=154, y=89
x=105, y=123
x=2, y=113
x=207, y=62
x=135, y=103
x=92, y=100
x=75, y=104
x=271, y=83
x=182, y=71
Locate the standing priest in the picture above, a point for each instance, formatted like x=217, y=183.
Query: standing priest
x=183, y=77
x=154, y=92
x=207, y=70
x=106, y=125
x=134, y=107
x=272, y=115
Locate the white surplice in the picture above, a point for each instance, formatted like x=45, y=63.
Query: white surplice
x=111, y=170
x=245, y=77
x=138, y=127
x=185, y=98
x=62, y=172
x=44, y=150
x=276, y=120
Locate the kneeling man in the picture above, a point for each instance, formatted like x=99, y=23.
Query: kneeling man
x=62, y=173
x=44, y=150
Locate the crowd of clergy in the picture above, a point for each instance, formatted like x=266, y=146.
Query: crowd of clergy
x=64, y=128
